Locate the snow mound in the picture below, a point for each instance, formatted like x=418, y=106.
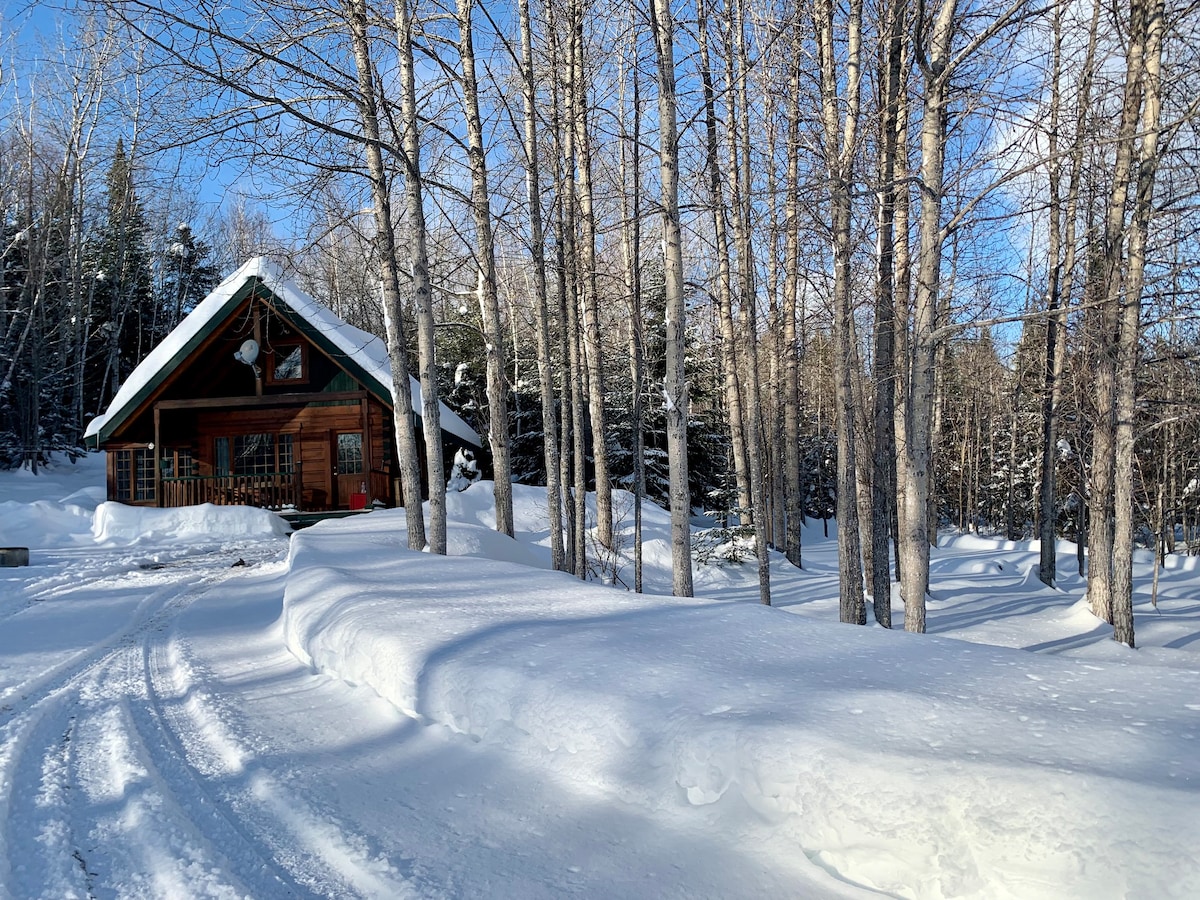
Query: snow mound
x=44, y=524
x=487, y=543
x=894, y=762
x=115, y=524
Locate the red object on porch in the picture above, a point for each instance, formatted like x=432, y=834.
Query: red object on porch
x=358, y=501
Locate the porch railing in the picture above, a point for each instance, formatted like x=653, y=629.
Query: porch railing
x=269, y=490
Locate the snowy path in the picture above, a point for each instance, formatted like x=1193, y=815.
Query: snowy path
x=157, y=740
x=107, y=791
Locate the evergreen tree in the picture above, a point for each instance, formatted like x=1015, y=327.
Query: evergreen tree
x=188, y=274
x=122, y=301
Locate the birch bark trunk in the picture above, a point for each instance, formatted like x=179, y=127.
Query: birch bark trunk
x=422, y=294
x=489, y=302
x=541, y=302
x=406, y=440
x=840, y=135
x=675, y=387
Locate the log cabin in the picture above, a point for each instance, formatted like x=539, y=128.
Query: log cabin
x=261, y=397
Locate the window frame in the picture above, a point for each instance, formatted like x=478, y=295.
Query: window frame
x=282, y=350
x=133, y=476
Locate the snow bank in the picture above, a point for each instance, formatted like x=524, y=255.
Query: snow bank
x=43, y=524
x=52, y=508
x=915, y=766
x=115, y=524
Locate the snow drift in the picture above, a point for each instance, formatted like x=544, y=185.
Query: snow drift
x=914, y=766
x=115, y=524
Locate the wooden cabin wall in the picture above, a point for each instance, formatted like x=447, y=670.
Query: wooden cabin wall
x=313, y=429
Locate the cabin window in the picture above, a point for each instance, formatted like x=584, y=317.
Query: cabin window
x=350, y=453
x=133, y=472
x=288, y=364
x=253, y=454
x=177, y=462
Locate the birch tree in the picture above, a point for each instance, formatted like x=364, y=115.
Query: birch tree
x=839, y=121
x=675, y=387
x=485, y=254
x=541, y=302
x=390, y=277
x=1143, y=80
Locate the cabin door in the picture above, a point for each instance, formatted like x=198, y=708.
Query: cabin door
x=349, y=477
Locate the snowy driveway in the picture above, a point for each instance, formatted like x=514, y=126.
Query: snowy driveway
x=157, y=740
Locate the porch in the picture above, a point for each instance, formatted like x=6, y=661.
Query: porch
x=267, y=490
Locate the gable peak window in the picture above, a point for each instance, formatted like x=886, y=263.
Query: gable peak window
x=288, y=363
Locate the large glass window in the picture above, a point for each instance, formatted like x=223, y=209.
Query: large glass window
x=177, y=463
x=144, y=464
x=283, y=447
x=255, y=454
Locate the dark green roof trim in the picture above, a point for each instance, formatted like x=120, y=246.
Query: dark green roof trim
x=381, y=392
x=186, y=350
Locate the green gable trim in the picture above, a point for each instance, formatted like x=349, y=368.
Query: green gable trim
x=154, y=383
x=381, y=392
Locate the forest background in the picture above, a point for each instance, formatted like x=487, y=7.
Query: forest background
x=905, y=265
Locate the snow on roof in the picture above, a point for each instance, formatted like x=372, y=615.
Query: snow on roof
x=367, y=350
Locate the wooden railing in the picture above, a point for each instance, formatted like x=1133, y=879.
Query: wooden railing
x=269, y=490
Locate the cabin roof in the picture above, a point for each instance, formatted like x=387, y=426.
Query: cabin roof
x=363, y=354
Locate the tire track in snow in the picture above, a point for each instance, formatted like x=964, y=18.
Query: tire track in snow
x=76, y=780
x=207, y=781
x=315, y=848
x=138, y=839
x=169, y=595
x=43, y=852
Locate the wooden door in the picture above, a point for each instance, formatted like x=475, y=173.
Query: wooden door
x=316, y=472
x=350, y=476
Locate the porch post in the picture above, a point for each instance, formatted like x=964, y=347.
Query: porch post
x=158, y=485
x=366, y=462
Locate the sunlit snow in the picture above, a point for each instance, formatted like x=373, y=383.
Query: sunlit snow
x=193, y=704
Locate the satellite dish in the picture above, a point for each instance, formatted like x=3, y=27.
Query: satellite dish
x=247, y=353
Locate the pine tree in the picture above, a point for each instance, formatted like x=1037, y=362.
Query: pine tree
x=188, y=274
x=122, y=300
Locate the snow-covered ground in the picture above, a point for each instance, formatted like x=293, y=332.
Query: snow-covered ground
x=193, y=705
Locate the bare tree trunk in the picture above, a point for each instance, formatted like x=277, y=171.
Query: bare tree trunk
x=1110, y=336
x=793, y=498
x=569, y=314
x=570, y=455
x=935, y=58
x=840, y=135
x=733, y=390
x=631, y=239
x=489, y=303
x=739, y=171
x=675, y=387
x=422, y=294
x=883, y=481
x=902, y=269
x=406, y=439
x=1145, y=46
x=586, y=255
x=1047, y=512
x=1062, y=275
x=538, y=250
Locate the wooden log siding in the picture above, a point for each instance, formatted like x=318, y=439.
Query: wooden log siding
x=313, y=421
